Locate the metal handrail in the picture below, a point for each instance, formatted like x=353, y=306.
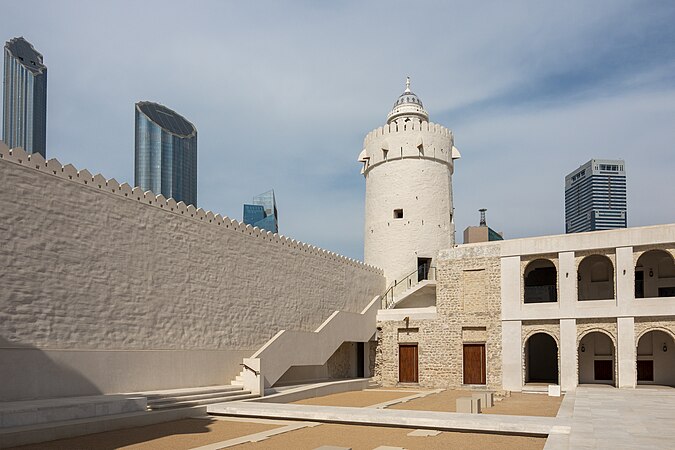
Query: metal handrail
x=250, y=368
x=422, y=273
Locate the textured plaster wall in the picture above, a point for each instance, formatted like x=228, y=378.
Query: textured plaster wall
x=91, y=270
x=415, y=176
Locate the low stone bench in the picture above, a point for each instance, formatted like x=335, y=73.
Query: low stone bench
x=468, y=405
x=553, y=390
x=486, y=399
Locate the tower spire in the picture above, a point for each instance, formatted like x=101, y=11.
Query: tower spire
x=407, y=84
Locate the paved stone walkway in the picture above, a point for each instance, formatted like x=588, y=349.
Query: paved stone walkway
x=402, y=418
x=606, y=418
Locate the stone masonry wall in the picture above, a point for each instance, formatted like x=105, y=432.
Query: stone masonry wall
x=646, y=324
x=469, y=307
x=93, y=268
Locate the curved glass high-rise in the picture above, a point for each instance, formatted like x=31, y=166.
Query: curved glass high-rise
x=165, y=153
x=24, y=106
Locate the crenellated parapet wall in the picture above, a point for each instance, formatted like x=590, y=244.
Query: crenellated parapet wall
x=107, y=288
x=413, y=139
x=112, y=186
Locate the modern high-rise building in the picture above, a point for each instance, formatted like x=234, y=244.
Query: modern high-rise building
x=24, y=106
x=595, y=196
x=263, y=212
x=165, y=153
x=482, y=233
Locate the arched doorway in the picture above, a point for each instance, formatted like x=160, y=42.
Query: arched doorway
x=656, y=359
x=541, y=359
x=655, y=275
x=596, y=359
x=595, y=278
x=540, y=282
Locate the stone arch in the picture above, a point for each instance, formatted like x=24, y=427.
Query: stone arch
x=596, y=357
x=595, y=278
x=541, y=357
x=540, y=281
x=666, y=330
x=653, y=271
x=655, y=357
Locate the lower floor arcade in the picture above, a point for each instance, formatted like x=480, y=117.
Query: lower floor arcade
x=621, y=352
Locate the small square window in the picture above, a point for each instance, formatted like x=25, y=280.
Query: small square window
x=398, y=214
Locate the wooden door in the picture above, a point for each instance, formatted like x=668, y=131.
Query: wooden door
x=645, y=370
x=474, y=363
x=603, y=370
x=407, y=363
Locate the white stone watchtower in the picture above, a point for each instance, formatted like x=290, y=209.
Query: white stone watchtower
x=408, y=165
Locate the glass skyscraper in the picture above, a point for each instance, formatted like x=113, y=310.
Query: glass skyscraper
x=24, y=106
x=165, y=153
x=595, y=196
x=263, y=212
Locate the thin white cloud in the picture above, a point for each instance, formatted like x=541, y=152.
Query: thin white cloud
x=282, y=95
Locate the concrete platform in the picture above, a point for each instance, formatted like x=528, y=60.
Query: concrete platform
x=14, y=436
x=520, y=425
x=35, y=412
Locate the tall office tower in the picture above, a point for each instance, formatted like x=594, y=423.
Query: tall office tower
x=595, y=196
x=263, y=212
x=24, y=106
x=165, y=153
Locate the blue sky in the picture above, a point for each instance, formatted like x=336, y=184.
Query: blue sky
x=283, y=93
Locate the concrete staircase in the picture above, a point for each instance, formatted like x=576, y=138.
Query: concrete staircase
x=302, y=348
x=181, y=398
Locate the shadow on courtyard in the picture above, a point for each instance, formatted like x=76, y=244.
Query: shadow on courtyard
x=131, y=436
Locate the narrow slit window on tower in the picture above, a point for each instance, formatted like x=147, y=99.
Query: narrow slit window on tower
x=398, y=214
x=384, y=153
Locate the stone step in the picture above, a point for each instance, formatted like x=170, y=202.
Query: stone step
x=186, y=391
x=189, y=398
x=208, y=401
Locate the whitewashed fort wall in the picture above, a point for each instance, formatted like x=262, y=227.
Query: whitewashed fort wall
x=108, y=289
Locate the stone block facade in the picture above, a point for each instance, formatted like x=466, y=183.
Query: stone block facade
x=468, y=312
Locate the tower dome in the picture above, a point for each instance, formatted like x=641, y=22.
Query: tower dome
x=408, y=105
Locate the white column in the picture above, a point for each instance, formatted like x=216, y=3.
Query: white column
x=568, y=354
x=510, y=286
x=625, y=278
x=567, y=283
x=626, y=352
x=512, y=357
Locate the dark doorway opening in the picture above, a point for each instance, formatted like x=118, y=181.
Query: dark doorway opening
x=645, y=370
x=423, y=266
x=639, y=284
x=602, y=369
x=541, y=359
x=360, y=359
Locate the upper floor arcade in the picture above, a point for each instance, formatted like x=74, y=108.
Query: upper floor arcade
x=627, y=272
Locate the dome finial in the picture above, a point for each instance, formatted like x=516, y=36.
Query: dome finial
x=407, y=84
